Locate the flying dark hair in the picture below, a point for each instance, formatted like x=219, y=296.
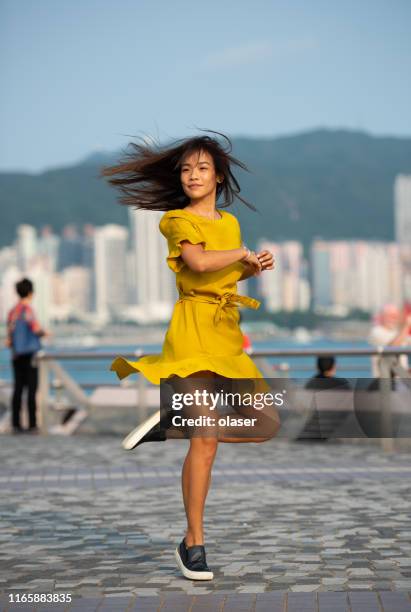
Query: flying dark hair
x=24, y=287
x=149, y=176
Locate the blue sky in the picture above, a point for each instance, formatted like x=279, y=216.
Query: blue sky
x=87, y=75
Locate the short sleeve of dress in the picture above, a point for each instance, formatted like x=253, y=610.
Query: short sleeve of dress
x=238, y=232
x=175, y=230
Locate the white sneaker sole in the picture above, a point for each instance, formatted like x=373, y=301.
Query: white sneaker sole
x=139, y=432
x=190, y=574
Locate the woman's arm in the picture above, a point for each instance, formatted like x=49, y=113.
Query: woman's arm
x=199, y=260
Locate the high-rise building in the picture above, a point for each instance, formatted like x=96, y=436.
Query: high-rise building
x=8, y=296
x=77, y=282
x=355, y=274
x=8, y=257
x=155, y=291
x=70, y=248
x=87, y=261
x=269, y=287
x=321, y=274
x=87, y=246
x=41, y=277
x=287, y=287
x=405, y=253
x=402, y=215
x=48, y=247
x=402, y=209
x=26, y=245
x=110, y=247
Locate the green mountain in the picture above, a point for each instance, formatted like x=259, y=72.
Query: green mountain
x=322, y=183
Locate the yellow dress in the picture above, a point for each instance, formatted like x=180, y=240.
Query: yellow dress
x=204, y=332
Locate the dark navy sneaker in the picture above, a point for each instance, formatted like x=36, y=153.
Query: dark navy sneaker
x=192, y=562
x=148, y=431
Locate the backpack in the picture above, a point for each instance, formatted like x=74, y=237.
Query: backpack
x=24, y=340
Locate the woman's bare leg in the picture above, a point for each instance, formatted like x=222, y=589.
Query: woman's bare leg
x=197, y=467
x=196, y=478
x=196, y=472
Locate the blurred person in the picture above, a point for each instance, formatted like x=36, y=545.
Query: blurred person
x=204, y=340
x=23, y=338
x=323, y=421
x=391, y=328
x=325, y=377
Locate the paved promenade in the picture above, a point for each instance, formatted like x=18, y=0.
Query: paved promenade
x=290, y=527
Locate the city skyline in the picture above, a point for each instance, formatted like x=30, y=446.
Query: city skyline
x=116, y=272
x=340, y=276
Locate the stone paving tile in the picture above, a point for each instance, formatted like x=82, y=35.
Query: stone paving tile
x=145, y=604
x=335, y=602
x=231, y=602
x=157, y=476
x=395, y=602
x=364, y=602
x=342, y=531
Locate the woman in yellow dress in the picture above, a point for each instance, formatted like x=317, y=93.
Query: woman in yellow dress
x=203, y=346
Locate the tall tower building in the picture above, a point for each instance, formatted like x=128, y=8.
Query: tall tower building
x=70, y=248
x=155, y=291
x=350, y=274
x=26, y=245
x=402, y=215
x=8, y=279
x=321, y=274
x=110, y=247
x=41, y=277
x=48, y=246
x=77, y=288
x=287, y=288
x=402, y=209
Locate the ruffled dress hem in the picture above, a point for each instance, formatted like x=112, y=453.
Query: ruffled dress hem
x=155, y=369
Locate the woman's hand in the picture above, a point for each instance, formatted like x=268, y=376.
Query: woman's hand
x=266, y=260
x=253, y=263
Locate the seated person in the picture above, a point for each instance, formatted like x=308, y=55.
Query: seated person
x=325, y=377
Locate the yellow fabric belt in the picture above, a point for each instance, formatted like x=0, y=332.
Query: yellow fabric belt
x=227, y=299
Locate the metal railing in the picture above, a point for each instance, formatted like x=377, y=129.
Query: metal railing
x=50, y=363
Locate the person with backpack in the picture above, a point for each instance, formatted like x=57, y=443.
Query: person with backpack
x=23, y=338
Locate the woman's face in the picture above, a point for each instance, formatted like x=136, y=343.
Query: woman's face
x=198, y=176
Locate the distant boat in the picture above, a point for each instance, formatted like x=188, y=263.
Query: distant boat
x=82, y=341
x=89, y=341
x=302, y=335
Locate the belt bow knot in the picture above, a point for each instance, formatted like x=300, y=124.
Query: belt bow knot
x=223, y=301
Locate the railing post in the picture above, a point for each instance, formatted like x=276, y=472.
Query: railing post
x=386, y=363
x=142, y=396
x=43, y=393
